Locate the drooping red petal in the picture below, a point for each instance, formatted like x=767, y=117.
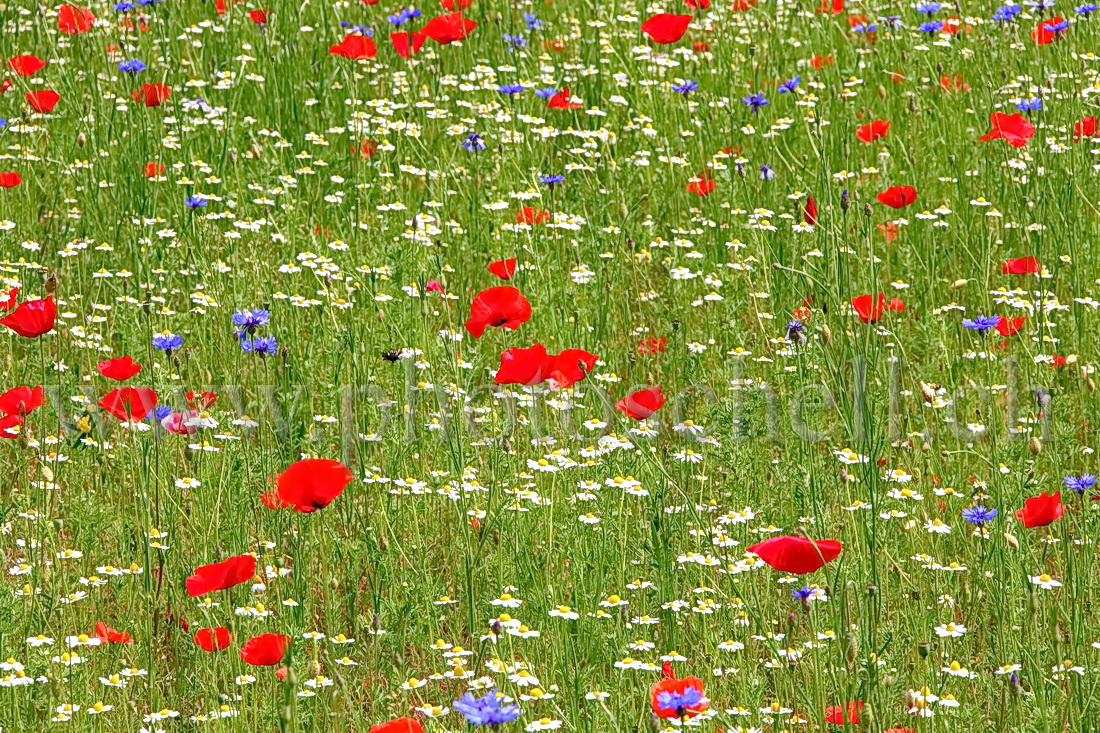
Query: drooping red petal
x=797, y=555
x=666, y=27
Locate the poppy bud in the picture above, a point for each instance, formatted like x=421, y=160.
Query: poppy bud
x=912, y=104
x=51, y=284
x=1014, y=684
x=922, y=649
x=881, y=92
x=845, y=202
x=81, y=139
x=904, y=56
x=939, y=67
x=1012, y=541
x=826, y=335
x=1035, y=446
x=867, y=210
x=960, y=284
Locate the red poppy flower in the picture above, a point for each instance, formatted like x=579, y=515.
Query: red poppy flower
x=401, y=43
x=534, y=366
x=73, y=20
x=702, y=184
x=870, y=309
x=32, y=318
x=112, y=636
x=365, y=148
x=1013, y=129
x=213, y=640
x=152, y=95
x=837, y=715
x=199, y=400
x=43, y=101
x=444, y=29
x=740, y=6
x=1010, y=326
x=119, y=369
x=221, y=575
x=954, y=85
x=698, y=4
x=561, y=100
x=153, y=169
x=652, y=345
x=504, y=269
x=354, y=47
x=666, y=27
x=1020, y=266
x=897, y=197
x=796, y=555
x=502, y=306
x=873, y=131
x=1043, y=33
x=665, y=696
x=401, y=725
x=1041, y=510
x=129, y=404
x=21, y=401
x=641, y=404
x=265, y=650
x=10, y=180
x=8, y=299
x=312, y=484
x=1086, y=127
x=456, y=4
x=9, y=426
x=259, y=17
x=809, y=212
x=833, y=7
x=530, y=215
x=889, y=230
x=26, y=65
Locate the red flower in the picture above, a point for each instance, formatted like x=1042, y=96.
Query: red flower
x=401, y=45
x=21, y=401
x=197, y=400
x=119, y=369
x=129, y=403
x=702, y=184
x=833, y=7
x=401, y=725
x=265, y=650
x=502, y=306
x=897, y=197
x=652, y=345
x=869, y=309
x=26, y=65
x=797, y=555
x=809, y=212
x=534, y=366
x=312, y=484
x=152, y=95
x=365, y=148
x=1020, y=266
x=153, y=169
x=663, y=697
x=444, y=29
x=32, y=318
x=1043, y=34
x=1041, y=510
x=641, y=404
x=354, y=47
x=1013, y=129
x=504, y=269
x=456, y=4
x=213, y=640
x=954, y=85
x=8, y=299
x=10, y=180
x=1010, y=326
x=835, y=714
x=1085, y=128
x=221, y=575
x=112, y=636
x=872, y=131
x=666, y=27
x=43, y=101
x=259, y=17
x=73, y=20
x=561, y=100
x=530, y=215
x=9, y=426
x=819, y=61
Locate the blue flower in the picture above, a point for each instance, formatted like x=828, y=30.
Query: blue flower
x=686, y=87
x=403, y=16
x=1030, y=105
x=1081, y=483
x=979, y=514
x=486, y=710
x=194, y=202
x=252, y=319
x=689, y=698
x=3, y=122
x=865, y=28
x=262, y=345
x=124, y=7
x=981, y=323
x=510, y=89
x=162, y=411
x=791, y=85
x=167, y=341
x=553, y=179
x=1006, y=13
x=801, y=594
x=1086, y=9
x=766, y=172
x=755, y=101
x=1056, y=27
x=532, y=21
x=516, y=41
x=929, y=8
x=546, y=92
x=131, y=67
x=473, y=143
x=932, y=26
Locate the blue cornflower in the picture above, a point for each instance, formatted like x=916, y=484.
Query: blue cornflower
x=132, y=66
x=756, y=101
x=929, y=8
x=1030, y=105
x=510, y=88
x=162, y=411
x=125, y=6
x=262, y=345
x=1081, y=483
x=251, y=319
x=516, y=41
x=1086, y=9
x=486, y=710
x=678, y=701
x=1056, y=27
x=552, y=179
x=546, y=92
x=766, y=172
x=791, y=85
x=796, y=330
x=473, y=143
x=402, y=16
x=979, y=514
x=894, y=21
x=801, y=594
x=865, y=27
x=688, y=86
x=931, y=26
x=981, y=323
x=3, y=122
x=1006, y=13
x=1040, y=4
x=532, y=21
x=167, y=341
x=194, y=202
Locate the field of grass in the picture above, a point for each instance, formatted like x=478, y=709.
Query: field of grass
x=299, y=227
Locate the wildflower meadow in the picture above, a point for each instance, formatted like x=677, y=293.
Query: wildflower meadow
x=538, y=365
